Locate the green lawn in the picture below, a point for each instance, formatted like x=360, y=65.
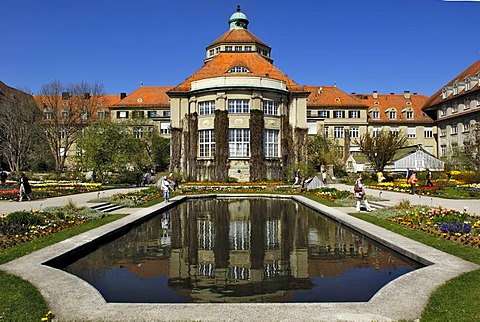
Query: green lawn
x=459, y=298
x=21, y=301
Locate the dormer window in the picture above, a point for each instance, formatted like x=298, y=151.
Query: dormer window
x=467, y=83
x=238, y=70
x=444, y=93
x=392, y=114
x=455, y=89
x=409, y=115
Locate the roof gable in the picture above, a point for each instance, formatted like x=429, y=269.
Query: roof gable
x=472, y=70
x=237, y=36
x=223, y=62
x=153, y=96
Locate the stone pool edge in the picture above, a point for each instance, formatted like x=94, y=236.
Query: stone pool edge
x=72, y=299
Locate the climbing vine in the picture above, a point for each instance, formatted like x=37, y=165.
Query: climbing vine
x=175, y=148
x=221, y=145
x=257, y=159
x=192, y=144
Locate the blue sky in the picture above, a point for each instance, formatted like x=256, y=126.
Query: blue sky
x=362, y=45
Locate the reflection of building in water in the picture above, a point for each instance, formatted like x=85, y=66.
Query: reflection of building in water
x=225, y=249
x=238, y=250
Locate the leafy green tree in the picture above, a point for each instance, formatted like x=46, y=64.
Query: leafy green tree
x=322, y=151
x=381, y=148
x=103, y=147
x=470, y=152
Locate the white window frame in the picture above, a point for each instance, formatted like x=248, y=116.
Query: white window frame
x=206, y=107
x=239, y=142
x=392, y=114
x=376, y=131
x=409, y=115
x=354, y=114
x=411, y=132
x=428, y=132
x=375, y=115
x=271, y=108
x=238, y=106
x=466, y=127
x=206, y=143
x=338, y=114
x=270, y=143
x=354, y=132
x=338, y=132
x=453, y=129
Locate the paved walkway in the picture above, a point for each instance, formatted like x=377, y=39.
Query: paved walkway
x=391, y=199
x=82, y=199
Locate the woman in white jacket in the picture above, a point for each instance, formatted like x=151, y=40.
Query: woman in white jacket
x=360, y=194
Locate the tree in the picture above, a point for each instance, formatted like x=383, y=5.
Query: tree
x=322, y=151
x=381, y=148
x=470, y=152
x=67, y=110
x=19, y=127
x=102, y=148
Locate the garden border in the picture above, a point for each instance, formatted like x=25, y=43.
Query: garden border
x=72, y=299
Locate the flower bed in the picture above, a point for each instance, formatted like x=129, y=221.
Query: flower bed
x=47, y=189
x=141, y=197
x=21, y=226
x=450, y=224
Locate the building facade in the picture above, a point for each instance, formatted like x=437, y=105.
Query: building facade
x=455, y=109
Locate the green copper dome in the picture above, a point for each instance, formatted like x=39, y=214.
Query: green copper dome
x=238, y=20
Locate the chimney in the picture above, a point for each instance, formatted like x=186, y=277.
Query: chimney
x=65, y=95
x=407, y=95
x=123, y=95
x=375, y=94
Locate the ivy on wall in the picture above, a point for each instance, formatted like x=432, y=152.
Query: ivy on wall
x=175, y=149
x=257, y=159
x=192, y=143
x=221, y=145
x=287, y=142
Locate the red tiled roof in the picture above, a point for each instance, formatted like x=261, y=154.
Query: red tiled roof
x=237, y=36
x=399, y=102
x=152, y=96
x=331, y=96
x=470, y=71
x=223, y=62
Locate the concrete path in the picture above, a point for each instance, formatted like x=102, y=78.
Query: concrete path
x=82, y=199
x=472, y=206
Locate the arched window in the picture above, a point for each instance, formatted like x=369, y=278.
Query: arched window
x=239, y=70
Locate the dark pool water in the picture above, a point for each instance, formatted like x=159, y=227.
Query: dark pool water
x=238, y=251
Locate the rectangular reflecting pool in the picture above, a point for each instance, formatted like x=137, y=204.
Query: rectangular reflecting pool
x=246, y=250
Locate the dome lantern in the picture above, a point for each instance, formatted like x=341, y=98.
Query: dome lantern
x=238, y=20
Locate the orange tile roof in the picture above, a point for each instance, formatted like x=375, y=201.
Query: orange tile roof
x=152, y=96
x=109, y=99
x=331, y=96
x=238, y=36
x=220, y=64
x=399, y=102
x=472, y=70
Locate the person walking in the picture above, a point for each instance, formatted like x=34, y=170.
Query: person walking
x=25, y=188
x=412, y=180
x=360, y=195
x=296, y=175
x=3, y=176
x=165, y=186
x=429, y=178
